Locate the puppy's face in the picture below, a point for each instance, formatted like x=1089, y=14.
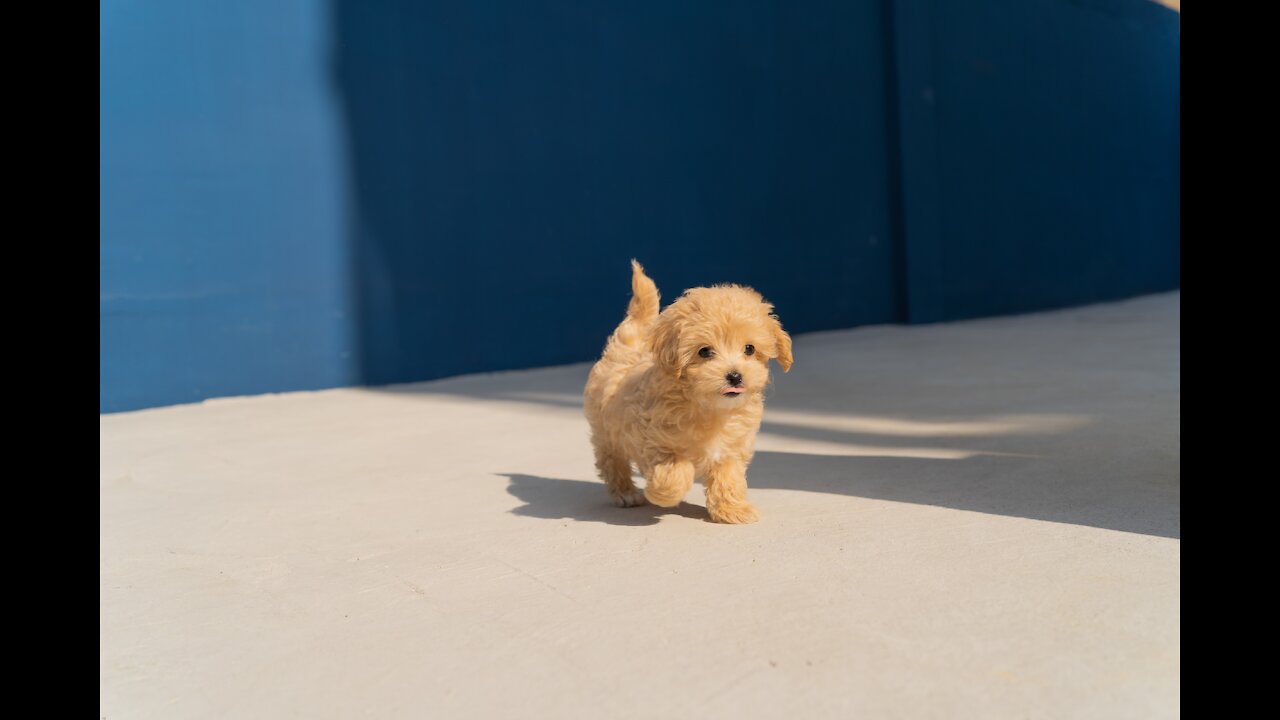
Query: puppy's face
x=718, y=341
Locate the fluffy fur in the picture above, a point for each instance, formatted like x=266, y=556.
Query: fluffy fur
x=654, y=401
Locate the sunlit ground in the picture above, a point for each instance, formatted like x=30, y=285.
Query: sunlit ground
x=961, y=520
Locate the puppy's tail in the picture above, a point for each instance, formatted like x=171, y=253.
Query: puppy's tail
x=644, y=296
x=642, y=310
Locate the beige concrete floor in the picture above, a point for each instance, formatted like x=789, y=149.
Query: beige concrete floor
x=976, y=519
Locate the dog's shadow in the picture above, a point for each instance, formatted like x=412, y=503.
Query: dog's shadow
x=555, y=499
x=1012, y=485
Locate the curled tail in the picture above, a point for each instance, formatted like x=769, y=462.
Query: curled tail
x=644, y=296
x=641, y=311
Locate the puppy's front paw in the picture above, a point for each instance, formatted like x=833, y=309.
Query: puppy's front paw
x=663, y=496
x=629, y=498
x=734, y=514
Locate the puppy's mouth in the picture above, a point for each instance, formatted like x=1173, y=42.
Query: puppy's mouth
x=732, y=391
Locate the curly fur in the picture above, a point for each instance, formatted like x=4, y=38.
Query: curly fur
x=653, y=402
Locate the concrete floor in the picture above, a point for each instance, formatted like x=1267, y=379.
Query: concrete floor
x=976, y=519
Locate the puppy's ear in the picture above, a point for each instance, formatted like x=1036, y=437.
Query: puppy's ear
x=664, y=340
x=783, y=341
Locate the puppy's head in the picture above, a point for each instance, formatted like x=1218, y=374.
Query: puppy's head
x=718, y=341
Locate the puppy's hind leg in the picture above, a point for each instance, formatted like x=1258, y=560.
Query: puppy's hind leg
x=615, y=470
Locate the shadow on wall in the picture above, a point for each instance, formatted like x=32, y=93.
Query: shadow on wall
x=858, y=163
x=509, y=159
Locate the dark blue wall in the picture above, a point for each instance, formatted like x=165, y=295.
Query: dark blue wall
x=1041, y=153
x=510, y=158
x=301, y=195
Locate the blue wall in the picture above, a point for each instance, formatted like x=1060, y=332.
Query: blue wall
x=510, y=158
x=303, y=195
x=223, y=203
x=1041, y=153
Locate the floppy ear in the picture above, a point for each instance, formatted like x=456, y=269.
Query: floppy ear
x=664, y=341
x=783, y=340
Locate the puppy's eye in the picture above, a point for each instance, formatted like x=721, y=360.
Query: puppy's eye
x=705, y=352
x=750, y=349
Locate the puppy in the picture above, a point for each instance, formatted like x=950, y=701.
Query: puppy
x=680, y=393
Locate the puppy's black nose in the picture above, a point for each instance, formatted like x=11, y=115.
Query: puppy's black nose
x=734, y=378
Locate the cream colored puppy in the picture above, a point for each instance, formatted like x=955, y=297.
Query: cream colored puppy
x=680, y=393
